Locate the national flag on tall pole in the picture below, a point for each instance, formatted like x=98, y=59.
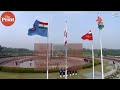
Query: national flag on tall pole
x=100, y=26
x=100, y=23
x=40, y=28
x=65, y=44
x=89, y=37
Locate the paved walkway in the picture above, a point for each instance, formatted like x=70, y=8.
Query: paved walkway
x=110, y=72
x=27, y=64
x=106, y=74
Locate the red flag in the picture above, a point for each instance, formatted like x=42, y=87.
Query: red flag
x=88, y=36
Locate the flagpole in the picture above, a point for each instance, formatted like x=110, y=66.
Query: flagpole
x=101, y=55
x=47, y=49
x=52, y=49
x=101, y=52
x=47, y=56
x=93, y=59
x=66, y=55
x=66, y=62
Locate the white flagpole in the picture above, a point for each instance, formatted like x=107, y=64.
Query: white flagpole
x=101, y=52
x=52, y=49
x=93, y=59
x=47, y=56
x=66, y=53
x=101, y=55
x=66, y=63
x=47, y=49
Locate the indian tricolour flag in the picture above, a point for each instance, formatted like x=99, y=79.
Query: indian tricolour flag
x=43, y=25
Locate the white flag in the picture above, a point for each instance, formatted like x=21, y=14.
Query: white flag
x=65, y=35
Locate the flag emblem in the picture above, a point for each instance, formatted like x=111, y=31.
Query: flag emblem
x=88, y=36
x=100, y=23
x=39, y=28
x=65, y=35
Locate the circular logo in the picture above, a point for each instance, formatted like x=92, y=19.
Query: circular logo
x=7, y=18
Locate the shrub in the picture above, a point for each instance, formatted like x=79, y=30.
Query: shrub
x=96, y=62
x=1, y=68
x=43, y=70
x=88, y=65
x=17, y=70
x=56, y=69
x=27, y=70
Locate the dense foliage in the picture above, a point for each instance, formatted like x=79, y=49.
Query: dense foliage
x=88, y=65
x=112, y=52
x=14, y=51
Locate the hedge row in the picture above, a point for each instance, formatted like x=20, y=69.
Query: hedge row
x=1, y=68
x=43, y=70
x=88, y=65
x=26, y=70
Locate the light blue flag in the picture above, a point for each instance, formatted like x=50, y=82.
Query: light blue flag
x=39, y=28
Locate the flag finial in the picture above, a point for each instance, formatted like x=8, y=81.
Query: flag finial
x=66, y=19
x=98, y=14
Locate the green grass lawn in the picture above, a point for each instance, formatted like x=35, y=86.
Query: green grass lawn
x=83, y=71
x=6, y=75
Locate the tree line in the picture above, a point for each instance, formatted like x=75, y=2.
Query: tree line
x=106, y=52
x=6, y=50
x=112, y=52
